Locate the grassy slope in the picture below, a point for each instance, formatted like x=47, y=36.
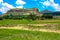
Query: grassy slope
x=28, y=21
x=6, y=34
x=16, y=22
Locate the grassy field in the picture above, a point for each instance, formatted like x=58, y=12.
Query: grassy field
x=10, y=34
x=6, y=34
x=51, y=24
x=6, y=22
x=28, y=21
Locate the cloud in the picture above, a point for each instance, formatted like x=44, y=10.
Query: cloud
x=1, y=1
x=51, y=0
x=19, y=6
x=20, y=2
x=5, y=7
x=51, y=3
x=46, y=3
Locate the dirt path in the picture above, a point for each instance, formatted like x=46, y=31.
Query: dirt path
x=23, y=28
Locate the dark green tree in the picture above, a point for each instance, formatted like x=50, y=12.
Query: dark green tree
x=32, y=16
x=47, y=16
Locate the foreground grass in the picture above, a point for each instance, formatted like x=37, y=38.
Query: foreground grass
x=6, y=34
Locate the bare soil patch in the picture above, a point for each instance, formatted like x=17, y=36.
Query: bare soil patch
x=23, y=28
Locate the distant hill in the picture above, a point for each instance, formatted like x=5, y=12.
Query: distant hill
x=57, y=13
x=28, y=11
x=22, y=11
x=46, y=11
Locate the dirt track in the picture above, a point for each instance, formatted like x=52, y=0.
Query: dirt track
x=23, y=28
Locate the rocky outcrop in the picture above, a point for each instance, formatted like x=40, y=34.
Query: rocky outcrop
x=31, y=10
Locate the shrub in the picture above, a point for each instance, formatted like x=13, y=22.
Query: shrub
x=47, y=16
x=32, y=16
x=1, y=18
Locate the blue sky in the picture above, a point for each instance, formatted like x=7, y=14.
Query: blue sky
x=52, y=5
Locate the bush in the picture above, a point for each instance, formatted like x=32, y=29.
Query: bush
x=47, y=16
x=1, y=18
x=32, y=16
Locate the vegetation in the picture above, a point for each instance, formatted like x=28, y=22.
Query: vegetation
x=31, y=14
x=31, y=17
x=47, y=16
x=1, y=18
x=14, y=18
x=6, y=34
x=51, y=24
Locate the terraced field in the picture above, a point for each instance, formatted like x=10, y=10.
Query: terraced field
x=30, y=30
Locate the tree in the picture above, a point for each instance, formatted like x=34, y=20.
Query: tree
x=32, y=16
x=47, y=16
x=1, y=18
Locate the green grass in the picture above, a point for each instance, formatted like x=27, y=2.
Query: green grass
x=11, y=23
x=7, y=34
x=28, y=21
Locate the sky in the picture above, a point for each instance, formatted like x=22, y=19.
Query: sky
x=52, y=5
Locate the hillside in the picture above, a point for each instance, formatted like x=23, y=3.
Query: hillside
x=30, y=13
x=22, y=11
x=46, y=11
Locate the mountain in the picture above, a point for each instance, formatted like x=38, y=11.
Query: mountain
x=28, y=11
x=56, y=13
x=46, y=11
x=24, y=13
x=17, y=11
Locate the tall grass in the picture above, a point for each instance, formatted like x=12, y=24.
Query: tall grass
x=6, y=34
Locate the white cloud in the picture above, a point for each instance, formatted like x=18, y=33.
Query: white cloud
x=5, y=7
x=20, y=2
x=4, y=10
x=51, y=3
x=51, y=0
x=46, y=3
x=1, y=1
x=19, y=6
